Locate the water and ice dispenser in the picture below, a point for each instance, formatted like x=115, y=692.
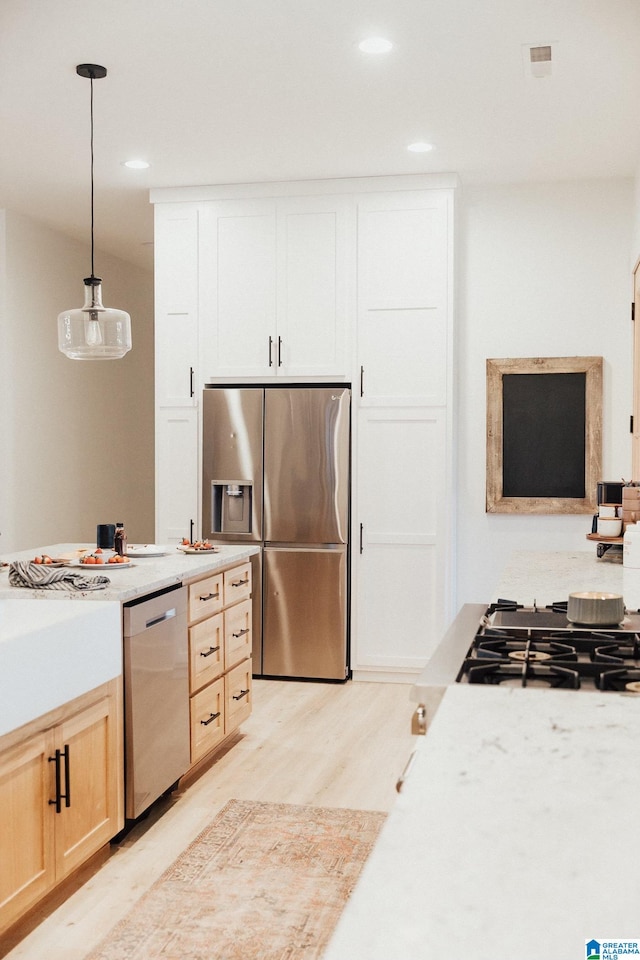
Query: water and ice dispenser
x=231, y=503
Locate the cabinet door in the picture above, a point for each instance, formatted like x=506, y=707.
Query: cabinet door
x=176, y=302
x=635, y=439
x=238, y=288
x=176, y=473
x=92, y=768
x=404, y=301
x=315, y=266
x=27, y=861
x=402, y=579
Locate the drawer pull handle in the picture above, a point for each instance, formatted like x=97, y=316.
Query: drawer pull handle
x=210, y=596
x=208, y=652
x=242, y=694
x=239, y=583
x=240, y=633
x=212, y=717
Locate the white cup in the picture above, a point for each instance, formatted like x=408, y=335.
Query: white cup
x=609, y=526
x=607, y=510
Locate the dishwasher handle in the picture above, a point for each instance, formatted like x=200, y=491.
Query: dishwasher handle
x=167, y=615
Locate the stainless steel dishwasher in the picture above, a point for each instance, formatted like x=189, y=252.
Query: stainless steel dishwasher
x=156, y=696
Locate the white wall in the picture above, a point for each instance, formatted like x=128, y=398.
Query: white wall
x=544, y=270
x=77, y=441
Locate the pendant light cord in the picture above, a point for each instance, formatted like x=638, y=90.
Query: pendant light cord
x=92, y=268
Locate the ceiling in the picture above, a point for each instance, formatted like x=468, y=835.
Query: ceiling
x=224, y=91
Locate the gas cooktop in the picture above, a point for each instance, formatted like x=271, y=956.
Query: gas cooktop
x=514, y=645
x=538, y=647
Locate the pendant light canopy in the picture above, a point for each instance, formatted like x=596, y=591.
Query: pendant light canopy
x=93, y=332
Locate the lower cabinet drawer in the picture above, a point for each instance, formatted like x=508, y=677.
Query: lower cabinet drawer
x=206, y=651
x=206, y=597
x=207, y=718
x=237, y=583
x=237, y=633
x=238, y=696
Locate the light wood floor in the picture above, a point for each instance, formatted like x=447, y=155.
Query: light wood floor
x=310, y=743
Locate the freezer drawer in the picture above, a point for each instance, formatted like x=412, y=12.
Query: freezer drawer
x=305, y=613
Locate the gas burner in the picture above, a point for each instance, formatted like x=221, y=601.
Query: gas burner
x=526, y=675
x=530, y=656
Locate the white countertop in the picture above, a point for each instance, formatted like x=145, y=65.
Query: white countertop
x=547, y=576
x=143, y=575
x=511, y=838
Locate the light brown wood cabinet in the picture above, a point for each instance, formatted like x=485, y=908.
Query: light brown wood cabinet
x=219, y=656
x=61, y=795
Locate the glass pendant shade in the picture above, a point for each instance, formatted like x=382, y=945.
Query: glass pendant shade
x=94, y=332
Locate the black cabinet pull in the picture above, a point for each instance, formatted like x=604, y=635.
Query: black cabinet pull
x=58, y=800
x=239, y=583
x=270, y=351
x=191, y=525
x=242, y=694
x=279, y=351
x=60, y=796
x=240, y=634
x=191, y=391
x=361, y=537
x=209, y=651
x=210, y=596
x=212, y=717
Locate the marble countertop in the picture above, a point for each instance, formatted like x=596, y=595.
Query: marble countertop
x=511, y=836
x=548, y=576
x=143, y=575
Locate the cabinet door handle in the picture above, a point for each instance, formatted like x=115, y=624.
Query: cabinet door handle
x=60, y=796
x=279, y=351
x=210, y=596
x=239, y=583
x=362, y=381
x=241, y=633
x=191, y=391
x=58, y=800
x=212, y=717
x=209, y=651
x=361, y=537
x=67, y=776
x=270, y=351
x=242, y=694
x=191, y=525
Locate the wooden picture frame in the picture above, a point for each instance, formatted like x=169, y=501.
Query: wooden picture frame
x=544, y=434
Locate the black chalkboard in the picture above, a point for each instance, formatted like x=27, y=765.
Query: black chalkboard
x=543, y=439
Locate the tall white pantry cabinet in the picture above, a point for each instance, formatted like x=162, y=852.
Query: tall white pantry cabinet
x=345, y=281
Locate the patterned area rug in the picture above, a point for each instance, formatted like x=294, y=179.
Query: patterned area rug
x=264, y=881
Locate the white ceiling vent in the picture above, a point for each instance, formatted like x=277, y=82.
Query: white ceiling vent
x=538, y=60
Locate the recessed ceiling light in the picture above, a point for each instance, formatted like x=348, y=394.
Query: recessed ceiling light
x=375, y=45
x=136, y=164
x=420, y=147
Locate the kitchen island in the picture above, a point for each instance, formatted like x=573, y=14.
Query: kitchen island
x=509, y=837
x=74, y=690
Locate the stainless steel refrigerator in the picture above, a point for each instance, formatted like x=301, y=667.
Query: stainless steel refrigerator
x=276, y=472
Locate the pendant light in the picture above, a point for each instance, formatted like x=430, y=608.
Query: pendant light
x=93, y=332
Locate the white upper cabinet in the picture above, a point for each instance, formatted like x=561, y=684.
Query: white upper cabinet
x=275, y=287
x=404, y=296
